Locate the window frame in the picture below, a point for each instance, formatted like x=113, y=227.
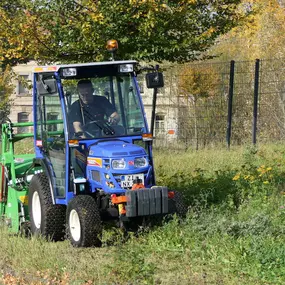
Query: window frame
x=27, y=92
x=159, y=123
x=21, y=120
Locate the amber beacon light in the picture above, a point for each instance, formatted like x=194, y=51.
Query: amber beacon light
x=112, y=45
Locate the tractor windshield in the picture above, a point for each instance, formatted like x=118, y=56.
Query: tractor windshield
x=103, y=105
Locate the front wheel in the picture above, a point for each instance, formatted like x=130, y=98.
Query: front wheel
x=83, y=221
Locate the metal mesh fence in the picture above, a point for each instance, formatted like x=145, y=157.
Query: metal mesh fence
x=271, y=115
x=196, y=108
x=243, y=91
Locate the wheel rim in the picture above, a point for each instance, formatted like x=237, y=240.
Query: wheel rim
x=74, y=225
x=36, y=210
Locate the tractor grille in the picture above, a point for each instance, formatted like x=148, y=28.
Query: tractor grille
x=119, y=153
x=96, y=175
x=137, y=152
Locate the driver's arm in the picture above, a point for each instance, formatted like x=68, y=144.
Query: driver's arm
x=78, y=129
x=114, y=118
x=75, y=118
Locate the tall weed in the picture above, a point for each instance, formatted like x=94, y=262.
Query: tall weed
x=234, y=231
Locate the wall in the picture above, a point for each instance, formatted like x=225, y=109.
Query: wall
x=22, y=100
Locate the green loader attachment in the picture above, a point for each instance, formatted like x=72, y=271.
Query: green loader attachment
x=16, y=171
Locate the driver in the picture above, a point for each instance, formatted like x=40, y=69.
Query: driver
x=90, y=108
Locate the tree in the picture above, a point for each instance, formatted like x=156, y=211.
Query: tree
x=77, y=30
x=201, y=93
x=6, y=89
x=260, y=36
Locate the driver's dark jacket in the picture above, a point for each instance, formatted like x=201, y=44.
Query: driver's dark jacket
x=92, y=112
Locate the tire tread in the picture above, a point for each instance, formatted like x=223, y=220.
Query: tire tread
x=90, y=221
x=53, y=216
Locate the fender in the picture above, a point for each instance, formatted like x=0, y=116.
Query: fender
x=46, y=169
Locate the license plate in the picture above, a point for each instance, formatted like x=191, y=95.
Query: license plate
x=127, y=180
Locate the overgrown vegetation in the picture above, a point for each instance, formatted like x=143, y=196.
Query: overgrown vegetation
x=234, y=232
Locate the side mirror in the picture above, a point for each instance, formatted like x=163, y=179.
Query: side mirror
x=47, y=87
x=154, y=80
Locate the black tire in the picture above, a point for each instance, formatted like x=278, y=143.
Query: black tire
x=47, y=219
x=84, y=226
x=177, y=205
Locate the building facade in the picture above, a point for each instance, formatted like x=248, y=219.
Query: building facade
x=22, y=108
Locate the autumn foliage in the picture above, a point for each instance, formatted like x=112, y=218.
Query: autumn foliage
x=6, y=88
x=67, y=30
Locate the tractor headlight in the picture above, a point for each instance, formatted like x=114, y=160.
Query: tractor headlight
x=140, y=162
x=69, y=72
x=126, y=68
x=118, y=164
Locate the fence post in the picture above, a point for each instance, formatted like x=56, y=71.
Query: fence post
x=230, y=103
x=255, y=100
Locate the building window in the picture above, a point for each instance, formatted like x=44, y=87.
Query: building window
x=52, y=116
x=23, y=85
x=159, y=124
x=23, y=117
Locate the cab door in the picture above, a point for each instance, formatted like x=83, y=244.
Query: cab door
x=50, y=131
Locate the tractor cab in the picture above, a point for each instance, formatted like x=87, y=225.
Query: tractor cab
x=90, y=128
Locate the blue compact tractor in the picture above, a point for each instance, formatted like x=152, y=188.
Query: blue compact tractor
x=93, y=152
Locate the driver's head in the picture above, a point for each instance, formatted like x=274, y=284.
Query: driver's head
x=85, y=90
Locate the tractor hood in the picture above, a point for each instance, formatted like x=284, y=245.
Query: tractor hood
x=114, y=149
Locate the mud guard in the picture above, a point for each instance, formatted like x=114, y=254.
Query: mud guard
x=47, y=170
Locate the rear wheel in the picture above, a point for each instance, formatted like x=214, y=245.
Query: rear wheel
x=83, y=220
x=46, y=218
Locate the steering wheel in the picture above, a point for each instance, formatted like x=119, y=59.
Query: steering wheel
x=102, y=126
x=92, y=131
x=95, y=122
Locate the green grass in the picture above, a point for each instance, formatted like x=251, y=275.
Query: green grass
x=24, y=146
x=234, y=232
